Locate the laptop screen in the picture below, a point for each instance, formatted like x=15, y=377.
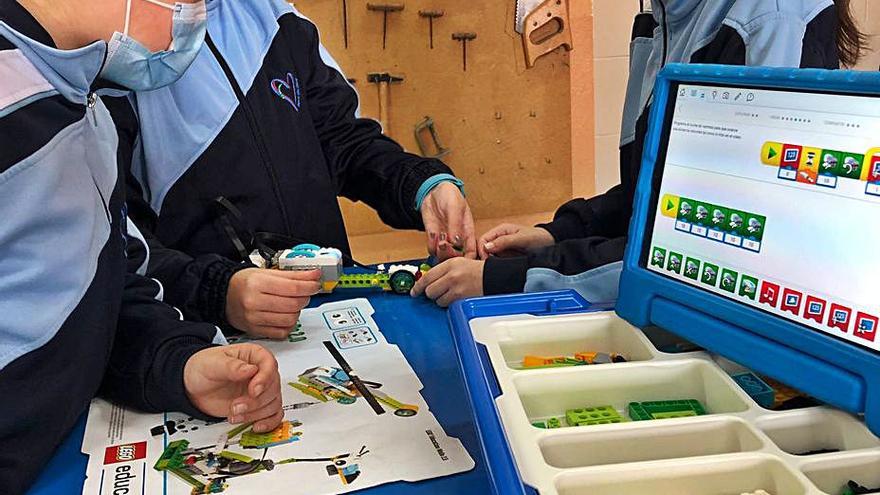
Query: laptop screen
x=772, y=199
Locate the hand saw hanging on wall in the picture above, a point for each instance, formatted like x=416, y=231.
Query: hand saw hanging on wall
x=544, y=26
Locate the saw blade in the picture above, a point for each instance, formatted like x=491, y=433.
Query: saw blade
x=523, y=9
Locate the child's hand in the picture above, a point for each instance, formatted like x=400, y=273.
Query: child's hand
x=267, y=303
x=239, y=382
x=513, y=239
x=448, y=223
x=451, y=280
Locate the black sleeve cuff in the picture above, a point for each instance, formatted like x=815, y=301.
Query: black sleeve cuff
x=418, y=174
x=166, y=390
x=504, y=275
x=564, y=227
x=214, y=287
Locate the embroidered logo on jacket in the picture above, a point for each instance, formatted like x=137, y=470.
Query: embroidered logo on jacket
x=288, y=90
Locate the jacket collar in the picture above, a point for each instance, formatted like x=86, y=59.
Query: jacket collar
x=676, y=10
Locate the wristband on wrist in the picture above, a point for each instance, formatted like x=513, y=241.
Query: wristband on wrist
x=432, y=183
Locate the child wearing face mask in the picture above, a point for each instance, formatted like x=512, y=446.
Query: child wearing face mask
x=75, y=322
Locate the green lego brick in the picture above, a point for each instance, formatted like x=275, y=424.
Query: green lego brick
x=172, y=457
x=549, y=424
x=364, y=280
x=664, y=409
x=597, y=415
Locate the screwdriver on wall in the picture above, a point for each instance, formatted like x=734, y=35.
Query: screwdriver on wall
x=431, y=15
x=385, y=9
x=464, y=38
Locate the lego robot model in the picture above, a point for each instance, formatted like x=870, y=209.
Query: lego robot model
x=208, y=469
x=399, y=279
x=330, y=383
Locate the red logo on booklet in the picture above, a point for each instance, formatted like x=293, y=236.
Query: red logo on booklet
x=125, y=453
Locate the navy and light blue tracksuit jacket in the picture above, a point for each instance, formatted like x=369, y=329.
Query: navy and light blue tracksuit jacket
x=591, y=234
x=266, y=119
x=74, y=322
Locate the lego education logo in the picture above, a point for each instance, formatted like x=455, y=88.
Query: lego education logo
x=125, y=453
x=122, y=476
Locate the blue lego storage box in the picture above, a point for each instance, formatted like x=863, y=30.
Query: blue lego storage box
x=751, y=237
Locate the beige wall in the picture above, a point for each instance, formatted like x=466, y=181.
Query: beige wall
x=613, y=25
x=613, y=21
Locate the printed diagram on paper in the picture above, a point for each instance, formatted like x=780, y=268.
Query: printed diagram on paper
x=354, y=418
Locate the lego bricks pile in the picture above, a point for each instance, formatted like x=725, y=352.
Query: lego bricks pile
x=590, y=405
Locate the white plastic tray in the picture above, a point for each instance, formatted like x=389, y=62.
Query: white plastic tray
x=737, y=447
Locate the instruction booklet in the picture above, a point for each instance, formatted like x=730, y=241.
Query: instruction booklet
x=354, y=418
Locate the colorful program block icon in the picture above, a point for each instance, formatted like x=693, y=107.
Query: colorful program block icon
x=669, y=205
x=710, y=274
x=589, y=416
x=658, y=257
x=866, y=327
x=736, y=223
x=790, y=162
x=665, y=409
x=728, y=280
x=839, y=317
x=748, y=287
x=808, y=171
x=675, y=263
x=850, y=166
x=771, y=154
x=692, y=268
x=828, y=168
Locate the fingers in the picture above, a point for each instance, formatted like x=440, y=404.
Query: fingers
x=486, y=241
x=284, y=283
x=507, y=242
x=274, y=333
x=250, y=410
x=432, y=229
x=276, y=320
x=428, y=278
x=470, y=247
x=309, y=275
x=269, y=423
x=276, y=304
x=266, y=375
x=232, y=369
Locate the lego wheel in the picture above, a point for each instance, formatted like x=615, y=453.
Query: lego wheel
x=405, y=413
x=402, y=282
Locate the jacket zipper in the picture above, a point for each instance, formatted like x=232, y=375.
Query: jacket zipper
x=90, y=108
x=255, y=132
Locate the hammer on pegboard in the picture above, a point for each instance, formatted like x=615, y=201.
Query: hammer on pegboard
x=384, y=80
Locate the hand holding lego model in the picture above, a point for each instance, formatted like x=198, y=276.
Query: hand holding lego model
x=451, y=280
x=239, y=382
x=449, y=223
x=267, y=303
x=510, y=239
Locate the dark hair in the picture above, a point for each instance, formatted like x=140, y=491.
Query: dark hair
x=851, y=41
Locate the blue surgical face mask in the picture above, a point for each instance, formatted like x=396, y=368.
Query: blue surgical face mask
x=132, y=65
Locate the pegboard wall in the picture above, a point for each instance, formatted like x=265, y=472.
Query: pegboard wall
x=508, y=127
